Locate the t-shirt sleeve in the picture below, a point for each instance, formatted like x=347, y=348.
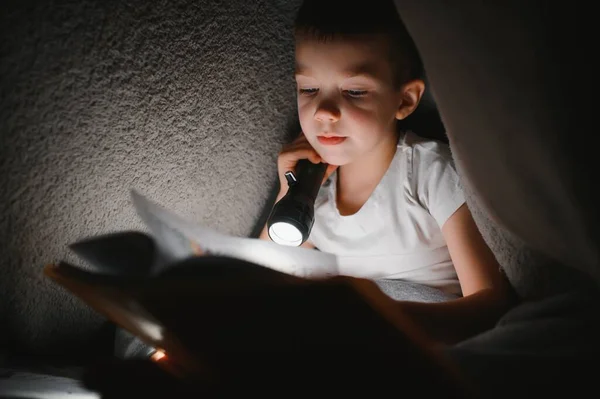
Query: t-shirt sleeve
x=436, y=182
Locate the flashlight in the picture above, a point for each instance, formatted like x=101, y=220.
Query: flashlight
x=292, y=217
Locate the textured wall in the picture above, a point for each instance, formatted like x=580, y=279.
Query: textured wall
x=187, y=101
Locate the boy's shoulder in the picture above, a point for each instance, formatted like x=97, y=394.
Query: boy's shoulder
x=424, y=147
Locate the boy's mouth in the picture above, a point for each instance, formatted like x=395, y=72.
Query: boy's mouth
x=331, y=139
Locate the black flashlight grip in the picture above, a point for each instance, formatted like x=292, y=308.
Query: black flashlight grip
x=296, y=208
x=309, y=179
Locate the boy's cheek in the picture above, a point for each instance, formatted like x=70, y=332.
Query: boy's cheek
x=311, y=137
x=306, y=123
x=361, y=118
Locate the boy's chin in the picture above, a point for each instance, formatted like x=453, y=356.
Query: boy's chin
x=335, y=160
x=335, y=155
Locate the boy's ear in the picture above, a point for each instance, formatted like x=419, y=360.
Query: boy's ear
x=410, y=96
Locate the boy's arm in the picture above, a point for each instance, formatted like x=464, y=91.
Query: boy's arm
x=487, y=295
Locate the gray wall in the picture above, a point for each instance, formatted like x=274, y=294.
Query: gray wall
x=187, y=101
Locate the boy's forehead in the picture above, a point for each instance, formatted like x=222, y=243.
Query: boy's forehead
x=347, y=69
x=363, y=56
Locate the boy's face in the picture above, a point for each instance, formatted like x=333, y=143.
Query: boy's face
x=347, y=99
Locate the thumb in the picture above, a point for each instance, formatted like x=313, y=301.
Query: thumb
x=330, y=169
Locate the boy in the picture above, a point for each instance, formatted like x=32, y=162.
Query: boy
x=391, y=207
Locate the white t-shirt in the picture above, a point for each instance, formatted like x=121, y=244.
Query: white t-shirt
x=397, y=232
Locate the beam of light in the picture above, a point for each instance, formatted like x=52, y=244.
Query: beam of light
x=158, y=355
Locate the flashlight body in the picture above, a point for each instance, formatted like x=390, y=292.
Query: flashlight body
x=296, y=208
x=309, y=179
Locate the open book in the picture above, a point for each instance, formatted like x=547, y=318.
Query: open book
x=209, y=301
x=173, y=238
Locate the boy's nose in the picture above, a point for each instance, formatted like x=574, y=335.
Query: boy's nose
x=327, y=111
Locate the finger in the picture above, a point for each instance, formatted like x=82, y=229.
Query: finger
x=296, y=146
x=196, y=249
x=290, y=159
x=310, y=155
x=301, y=137
x=330, y=169
x=314, y=157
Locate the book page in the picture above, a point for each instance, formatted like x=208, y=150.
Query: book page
x=176, y=237
x=25, y=384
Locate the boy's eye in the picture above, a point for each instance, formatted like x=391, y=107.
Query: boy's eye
x=356, y=93
x=308, y=91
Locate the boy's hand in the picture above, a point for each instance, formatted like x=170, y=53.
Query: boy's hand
x=294, y=152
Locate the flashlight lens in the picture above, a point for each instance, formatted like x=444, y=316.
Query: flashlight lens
x=285, y=234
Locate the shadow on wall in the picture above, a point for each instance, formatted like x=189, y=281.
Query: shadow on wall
x=187, y=101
